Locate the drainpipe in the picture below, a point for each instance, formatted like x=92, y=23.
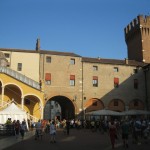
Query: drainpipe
x=83, y=113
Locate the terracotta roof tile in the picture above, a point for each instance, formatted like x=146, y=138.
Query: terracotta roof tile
x=41, y=52
x=113, y=61
x=84, y=59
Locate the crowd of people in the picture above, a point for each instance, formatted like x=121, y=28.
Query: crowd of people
x=137, y=130
x=16, y=127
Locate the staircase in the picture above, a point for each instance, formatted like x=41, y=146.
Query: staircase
x=20, y=77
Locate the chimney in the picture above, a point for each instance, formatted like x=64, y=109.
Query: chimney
x=38, y=44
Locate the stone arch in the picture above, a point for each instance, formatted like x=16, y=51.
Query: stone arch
x=33, y=105
x=116, y=105
x=136, y=104
x=32, y=94
x=66, y=105
x=1, y=81
x=12, y=92
x=15, y=85
x=94, y=104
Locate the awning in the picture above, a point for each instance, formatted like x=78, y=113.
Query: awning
x=104, y=112
x=135, y=112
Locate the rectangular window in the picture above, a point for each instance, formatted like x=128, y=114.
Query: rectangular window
x=48, y=59
x=19, y=67
x=95, y=81
x=72, y=80
x=95, y=68
x=7, y=55
x=116, y=69
x=135, y=83
x=72, y=61
x=116, y=82
x=48, y=78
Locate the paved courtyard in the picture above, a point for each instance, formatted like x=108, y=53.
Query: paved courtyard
x=77, y=140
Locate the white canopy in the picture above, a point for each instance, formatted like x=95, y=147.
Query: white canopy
x=104, y=112
x=135, y=112
x=13, y=112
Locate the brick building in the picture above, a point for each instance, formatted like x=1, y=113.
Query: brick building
x=80, y=84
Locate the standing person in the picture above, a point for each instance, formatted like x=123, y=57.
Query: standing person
x=23, y=128
x=112, y=133
x=53, y=132
x=68, y=126
x=17, y=128
x=125, y=132
x=38, y=131
x=137, y=129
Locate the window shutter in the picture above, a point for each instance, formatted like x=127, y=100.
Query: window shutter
x=116, y=80
x=47, y=76
x=72, y=77
x=95, y=77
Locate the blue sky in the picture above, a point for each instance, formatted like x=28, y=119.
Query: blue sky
x=90, y=28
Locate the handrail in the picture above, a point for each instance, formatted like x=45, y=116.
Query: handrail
x=3, y=104
x=20, y=77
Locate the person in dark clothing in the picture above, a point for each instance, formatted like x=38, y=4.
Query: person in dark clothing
x=68, y=126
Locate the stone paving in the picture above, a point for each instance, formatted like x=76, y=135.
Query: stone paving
x=77, y=140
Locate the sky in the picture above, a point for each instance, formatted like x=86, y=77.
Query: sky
x=89, y=28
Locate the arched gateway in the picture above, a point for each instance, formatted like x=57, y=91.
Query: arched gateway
x=64, y=108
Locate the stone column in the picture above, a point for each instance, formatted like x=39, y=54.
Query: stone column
x=42, y=111
x=22, y=103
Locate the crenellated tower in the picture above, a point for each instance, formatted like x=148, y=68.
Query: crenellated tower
x=137, y=37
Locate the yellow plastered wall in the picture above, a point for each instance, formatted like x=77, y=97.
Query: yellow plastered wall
x=24, y=90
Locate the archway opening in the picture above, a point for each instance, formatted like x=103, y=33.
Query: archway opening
x=32, y=105
x=59, y=107
x=94, y=104
x=12, y=92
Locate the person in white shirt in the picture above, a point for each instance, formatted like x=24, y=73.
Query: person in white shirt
x=52, y=132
